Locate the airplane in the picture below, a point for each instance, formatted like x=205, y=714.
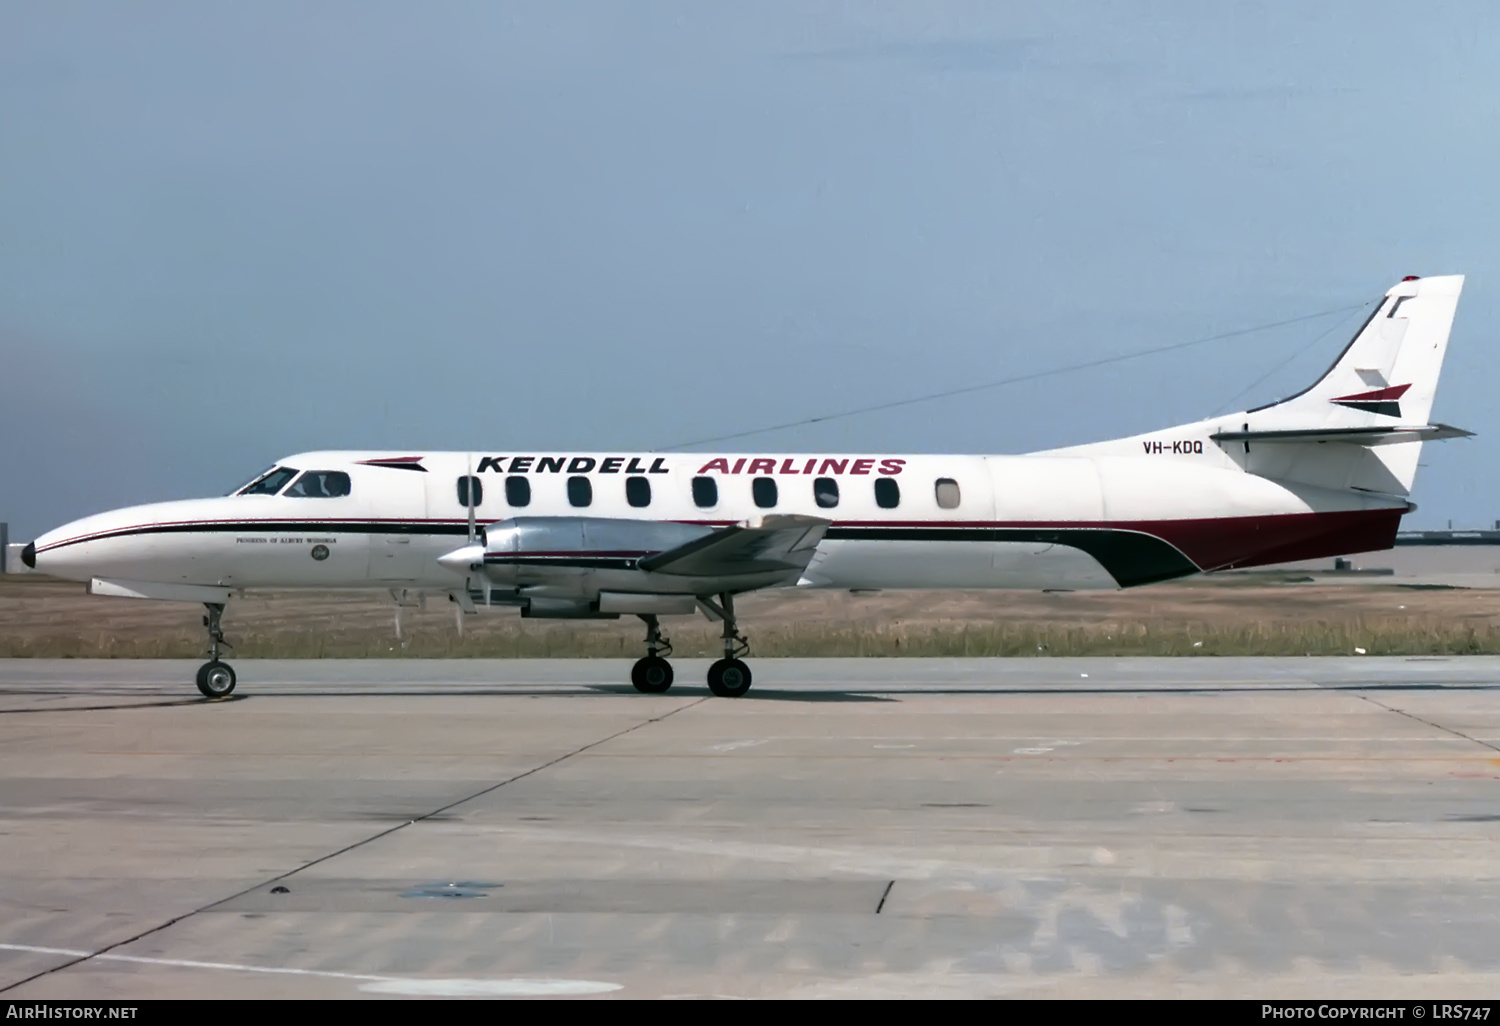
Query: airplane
x=1325, y=472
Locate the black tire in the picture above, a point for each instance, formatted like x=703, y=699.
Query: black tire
x=216, y=680
x=651, y=675
x=729, y=678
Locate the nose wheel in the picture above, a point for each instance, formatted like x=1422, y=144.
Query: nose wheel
x=215, y=679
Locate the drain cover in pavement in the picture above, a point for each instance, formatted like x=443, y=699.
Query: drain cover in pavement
x=451, y=889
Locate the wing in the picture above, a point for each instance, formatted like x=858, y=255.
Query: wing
x=775, y=544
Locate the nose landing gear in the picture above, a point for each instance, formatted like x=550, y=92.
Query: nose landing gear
x=653, y=674
x=215, y=679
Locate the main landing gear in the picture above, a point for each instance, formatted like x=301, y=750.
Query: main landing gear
x=728, y=677
x=653, y=674
x=215, y=679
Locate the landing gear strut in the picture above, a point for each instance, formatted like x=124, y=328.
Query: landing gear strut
x=730, y=677
x=215, y=679
x=653, y=674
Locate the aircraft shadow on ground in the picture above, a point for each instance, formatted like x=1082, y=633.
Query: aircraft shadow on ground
x=122, y=705
x=762, y=695
x=765, y=694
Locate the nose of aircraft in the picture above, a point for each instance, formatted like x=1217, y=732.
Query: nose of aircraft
x=83, y=549
x=68, y=561
x=135, y=543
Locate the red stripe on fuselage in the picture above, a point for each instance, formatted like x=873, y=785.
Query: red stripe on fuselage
x=1258, y=541
x=1221, y=543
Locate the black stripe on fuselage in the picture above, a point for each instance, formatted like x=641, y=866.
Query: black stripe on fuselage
x=1132, y=558
x=418, y=527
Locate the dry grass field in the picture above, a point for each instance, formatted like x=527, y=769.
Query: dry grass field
x=1264, y=614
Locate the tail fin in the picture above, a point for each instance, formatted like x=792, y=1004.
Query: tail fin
x=1360, y=426
x=1375, y=399
x=1389, y=370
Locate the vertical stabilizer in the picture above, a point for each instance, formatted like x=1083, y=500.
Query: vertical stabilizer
x=1386, y=377
x=1359, y=427
x=1389, y=373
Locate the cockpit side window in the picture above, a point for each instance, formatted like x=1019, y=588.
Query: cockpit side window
x=269, y=483
x=320, y=484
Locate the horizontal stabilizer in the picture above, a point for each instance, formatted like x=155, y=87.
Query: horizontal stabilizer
x=1380, y=435
x=769, y=544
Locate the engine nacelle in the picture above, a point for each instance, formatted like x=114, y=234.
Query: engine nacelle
x=525, y=552
x=570, y=541
x=571, y=567
x=520, y=544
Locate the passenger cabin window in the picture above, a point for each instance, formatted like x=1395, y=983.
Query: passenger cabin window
x=269, y=483
x=580, y=491
x=764, y=491
x=638, y=491
x=470, y=491
x=320, y=484
x=887, y=493
x=705, y=492
x=947, y=493
x=517, y=490
x=826, y=492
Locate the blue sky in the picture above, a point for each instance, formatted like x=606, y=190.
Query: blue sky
x=230, y=231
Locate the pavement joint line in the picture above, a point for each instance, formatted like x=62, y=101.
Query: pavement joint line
x=1430, y=723
x=88, y=956
x=883, y=895
x=189, y=964
x=419, y=984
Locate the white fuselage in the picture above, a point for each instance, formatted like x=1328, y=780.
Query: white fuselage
x=1047, y=521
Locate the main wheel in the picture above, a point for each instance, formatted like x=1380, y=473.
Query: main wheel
x=729, y=678
x=651, y=675
x=216, y=679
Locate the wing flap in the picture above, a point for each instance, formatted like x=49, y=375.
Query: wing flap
x=778, y=543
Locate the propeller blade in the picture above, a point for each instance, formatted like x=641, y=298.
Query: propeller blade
x=469, y=494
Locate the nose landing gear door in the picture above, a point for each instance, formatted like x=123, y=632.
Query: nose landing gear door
x=399, y=541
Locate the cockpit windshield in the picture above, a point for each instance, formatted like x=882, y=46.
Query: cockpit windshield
x=320, y=484
x=269, y=483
